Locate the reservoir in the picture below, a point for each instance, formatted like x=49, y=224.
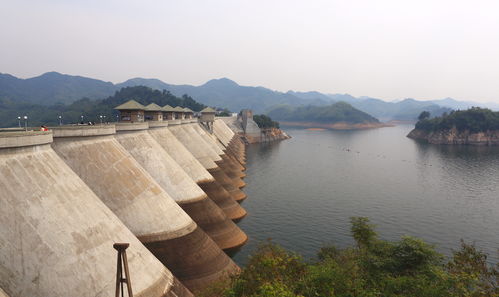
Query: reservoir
x=302, y=191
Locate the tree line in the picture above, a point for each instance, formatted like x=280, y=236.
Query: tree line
x=475, y=119
x=87, y=110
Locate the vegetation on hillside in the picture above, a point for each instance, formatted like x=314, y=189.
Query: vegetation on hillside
x=91, y=110
x=264, y=121
x=334, y=113
x=372, y=268
x=475, y=119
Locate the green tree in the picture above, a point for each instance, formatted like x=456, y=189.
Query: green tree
x=424, y=115
x=373, y=268
x=362, y=231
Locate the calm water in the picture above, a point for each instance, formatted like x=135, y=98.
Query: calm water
x=302, y=191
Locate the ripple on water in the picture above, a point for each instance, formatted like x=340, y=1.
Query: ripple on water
x=302, y=191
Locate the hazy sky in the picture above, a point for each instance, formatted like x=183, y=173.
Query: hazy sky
x=379, y=48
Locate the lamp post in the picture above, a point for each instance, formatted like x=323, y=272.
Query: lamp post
x=81, y=119
x=104, y=119
x=60, y=120
x=117, y=117
x=100, y=119
x=19, y=121
x=26, y=122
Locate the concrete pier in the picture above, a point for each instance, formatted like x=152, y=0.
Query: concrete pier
x=57, y=236
x=140, y=202
x=204, y=154
x=178, y=184
x=196, y=171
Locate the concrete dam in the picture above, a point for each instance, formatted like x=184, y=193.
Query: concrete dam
x=170, y=188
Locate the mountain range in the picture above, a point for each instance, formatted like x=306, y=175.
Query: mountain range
x=53, y=88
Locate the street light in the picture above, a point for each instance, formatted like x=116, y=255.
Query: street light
x=26, y=122
x=19, y=121
x=100, y=119
x=81, y=119
x=60, y=120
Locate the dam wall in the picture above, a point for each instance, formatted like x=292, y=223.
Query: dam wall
x=206, y=156
x=197, y=172
x=2, y=293
x=232, y=168
x=179, y=185
x=221, y=133
x=95, y=155
x=232, y=141
x=57, y=236
x=223, y=149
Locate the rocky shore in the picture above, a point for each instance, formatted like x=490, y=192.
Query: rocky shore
x=454, y=136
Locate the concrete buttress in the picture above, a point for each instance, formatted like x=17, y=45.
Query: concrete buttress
x=57, y=236
x=197, y=172
x=179, y=185
x=144, y=207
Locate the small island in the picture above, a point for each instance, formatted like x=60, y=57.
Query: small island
x=475, y=126
x=338, y=116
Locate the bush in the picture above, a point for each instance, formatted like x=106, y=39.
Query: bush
x=373, y=268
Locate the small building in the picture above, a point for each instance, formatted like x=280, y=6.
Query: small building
x=153, y=112
x=208, y=118
x=188, y=113
x=208, y=115
x=168, y=113
x=131, y=111
x=179, y=113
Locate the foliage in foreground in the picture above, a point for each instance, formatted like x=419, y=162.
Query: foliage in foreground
x=374, y=267
x=475, y=119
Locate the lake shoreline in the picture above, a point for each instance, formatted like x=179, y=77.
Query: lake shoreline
x=455, y=137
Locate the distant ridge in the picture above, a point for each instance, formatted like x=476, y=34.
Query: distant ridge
x=53, y=87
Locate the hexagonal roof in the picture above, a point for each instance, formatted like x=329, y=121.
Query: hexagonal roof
x=208, y=110
x=153, y=107
x=130, y=105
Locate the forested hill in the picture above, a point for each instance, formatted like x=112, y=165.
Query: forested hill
x=339, y=112
x=474, y=120
x=91, y=110
x=475, y=126
x=52, y=88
